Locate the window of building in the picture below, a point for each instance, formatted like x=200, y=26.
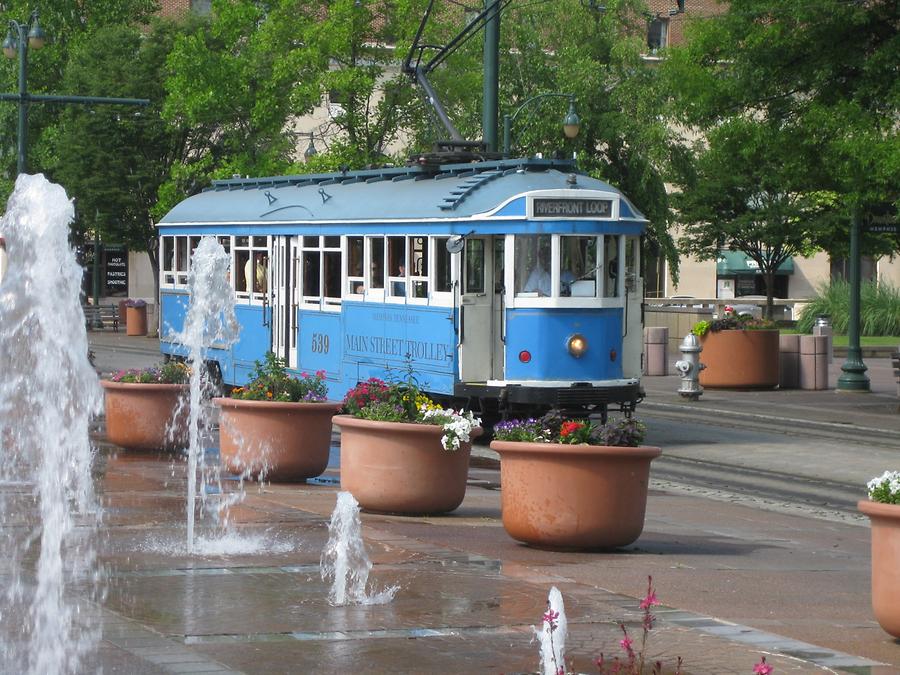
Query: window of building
x=657, y=34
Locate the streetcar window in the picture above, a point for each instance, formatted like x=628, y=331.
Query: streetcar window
x=632, y=262
x=611, y=265
x=532, y=265
x=332, y=242
x=332, y=276
x=474, y=263
x=499, y=266
x=418, y=270
x=242, y=242
x=181, y=260
x=578, y=266
x=259, y=275
x=443, y=280
x=355, y=265
x=241, y=257
x=397, y=270
x=376, y=266
x=226, y=243
x=168, y=260
x=310, y=242
x=311, y=269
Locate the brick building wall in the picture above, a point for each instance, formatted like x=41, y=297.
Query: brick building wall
x=674, y=23
x=178, y=7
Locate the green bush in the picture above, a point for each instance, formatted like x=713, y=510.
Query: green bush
x=879, y=308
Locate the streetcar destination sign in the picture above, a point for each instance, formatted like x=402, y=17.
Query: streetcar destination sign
x=556, y=207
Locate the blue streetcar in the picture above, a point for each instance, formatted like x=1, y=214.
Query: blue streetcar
x=509, y=285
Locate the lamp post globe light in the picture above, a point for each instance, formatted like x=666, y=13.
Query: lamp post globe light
x=19, y=37
x=571, y=123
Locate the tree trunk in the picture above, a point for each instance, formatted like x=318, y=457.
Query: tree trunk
x=770, y=293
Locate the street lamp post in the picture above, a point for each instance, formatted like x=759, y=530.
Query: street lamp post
x=853, y=371
x=19, y=38
x=571, y=122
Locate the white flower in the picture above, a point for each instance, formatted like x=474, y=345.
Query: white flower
x=457, y=426
x=889, y=481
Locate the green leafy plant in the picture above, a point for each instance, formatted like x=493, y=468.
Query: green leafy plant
x=885, y=488
x=879, y=308
x=270, y=381
x=172, y=372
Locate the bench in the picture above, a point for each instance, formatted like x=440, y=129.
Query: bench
x=100, y=316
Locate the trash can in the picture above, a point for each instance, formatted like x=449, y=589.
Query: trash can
x=656, y=343
x=822, y=326
x=136, y=318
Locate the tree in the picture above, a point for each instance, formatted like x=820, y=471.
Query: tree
x=745, y=193
x=260, y=67
x=67, y=23
x=115, y=160
x=820, y=77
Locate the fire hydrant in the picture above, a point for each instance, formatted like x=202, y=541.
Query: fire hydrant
x=689, y=366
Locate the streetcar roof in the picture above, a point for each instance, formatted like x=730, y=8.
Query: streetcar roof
x=448, y=192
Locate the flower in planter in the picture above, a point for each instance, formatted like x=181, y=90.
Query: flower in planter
x=172, y=372
x=885, y=488
x=555, y=428
x=270, y=381
x=135, y=303
x=404, y=402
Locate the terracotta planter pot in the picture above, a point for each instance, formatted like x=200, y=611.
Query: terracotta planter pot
x=136, y=320
x=146, y=416
x=740, y=359
x=395, y=467
x=573, y=496
x=286, y=441
x=885, y=563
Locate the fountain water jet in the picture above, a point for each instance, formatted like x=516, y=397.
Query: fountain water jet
x=344, y=558
x=48, y=393
x=552, y=635
x=210, y=320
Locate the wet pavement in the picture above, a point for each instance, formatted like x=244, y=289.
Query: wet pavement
x=737, y=579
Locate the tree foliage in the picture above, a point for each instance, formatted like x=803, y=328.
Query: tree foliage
x=116, y=160
x=811, y=93
x=68, y=24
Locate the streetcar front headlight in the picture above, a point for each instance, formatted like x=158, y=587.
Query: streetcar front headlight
x=577, y=345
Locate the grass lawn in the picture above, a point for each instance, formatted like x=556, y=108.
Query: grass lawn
x=864, y=340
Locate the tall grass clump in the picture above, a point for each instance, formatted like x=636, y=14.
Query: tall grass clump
x=879, y=312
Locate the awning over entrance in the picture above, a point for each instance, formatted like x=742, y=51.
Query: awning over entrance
x=732, y=263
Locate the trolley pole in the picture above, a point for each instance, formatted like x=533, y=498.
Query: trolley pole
x=491, y=75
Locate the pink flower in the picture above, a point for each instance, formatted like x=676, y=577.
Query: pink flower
x=550, y=617
x=650, y=600
x=626, y=643
x=763, y=668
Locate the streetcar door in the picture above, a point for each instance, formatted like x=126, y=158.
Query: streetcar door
x=476, y=333
x=284, y=307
